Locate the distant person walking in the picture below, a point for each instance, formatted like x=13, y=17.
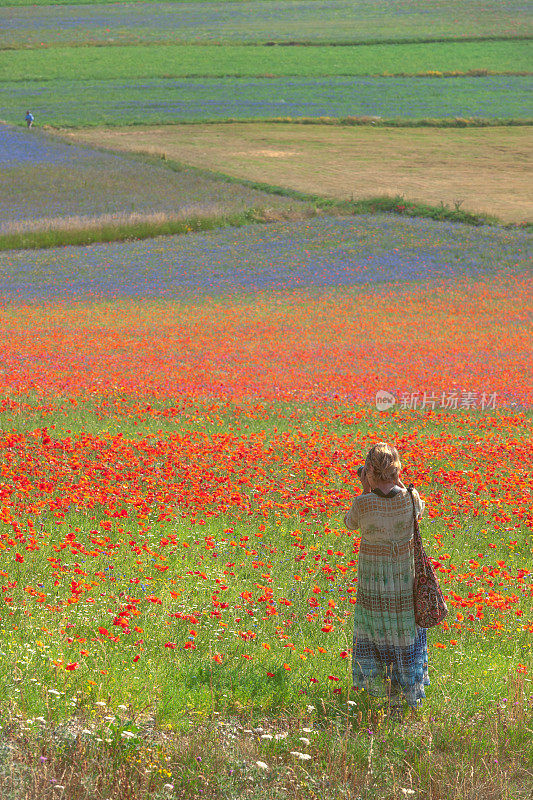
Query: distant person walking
x=29, y=119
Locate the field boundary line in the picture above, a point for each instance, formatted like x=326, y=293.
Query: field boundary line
x=471, y=73
x=274, y=43
x=384, y=122
x=51, y=237
x=396, y=204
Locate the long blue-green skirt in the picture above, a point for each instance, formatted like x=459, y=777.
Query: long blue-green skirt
x=390, y=655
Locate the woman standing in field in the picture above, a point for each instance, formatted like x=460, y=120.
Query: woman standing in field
x=389, y=649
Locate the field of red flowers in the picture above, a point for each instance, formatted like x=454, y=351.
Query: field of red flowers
x=174, y=479
x=453, y=335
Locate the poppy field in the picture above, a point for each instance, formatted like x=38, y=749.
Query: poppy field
x=175, y=471
x=203, y=563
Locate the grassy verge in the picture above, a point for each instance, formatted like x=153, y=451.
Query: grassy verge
x=351, y=753
x=525, y=37
x=80, y=235
x=423, y=122
x=350, y=121
x=379, y=122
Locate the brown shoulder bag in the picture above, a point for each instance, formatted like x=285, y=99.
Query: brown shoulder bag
x=430, y=608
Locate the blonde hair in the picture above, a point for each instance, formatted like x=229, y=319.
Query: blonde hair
x=383, y=463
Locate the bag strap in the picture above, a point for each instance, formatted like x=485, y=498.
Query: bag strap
x=417, y=537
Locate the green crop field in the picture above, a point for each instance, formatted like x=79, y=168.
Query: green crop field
x=159, y=101
x=325, y=21
x=130, y=62
x=135, y=80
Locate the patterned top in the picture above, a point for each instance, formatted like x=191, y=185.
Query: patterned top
x=384, y=518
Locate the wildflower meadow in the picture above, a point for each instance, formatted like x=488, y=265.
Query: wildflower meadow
x=177, y=584
x=182, y=417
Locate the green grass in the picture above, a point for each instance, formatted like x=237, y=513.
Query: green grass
x=84, y=232
x=161, y=61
